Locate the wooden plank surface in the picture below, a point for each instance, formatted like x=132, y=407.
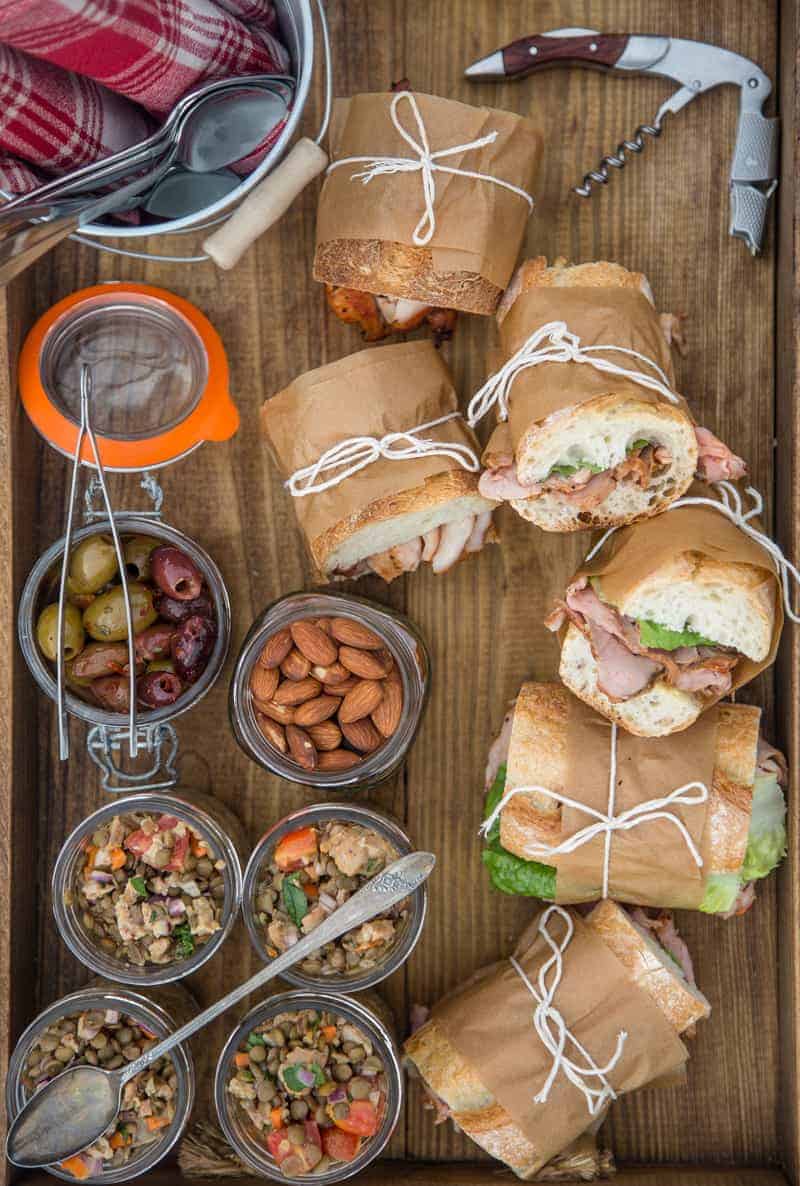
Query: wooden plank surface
x=665, y=215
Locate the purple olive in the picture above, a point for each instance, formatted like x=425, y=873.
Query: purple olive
x=112, y=692
x=175, y=573
x=192, y=645
x=176, y=611
x=154, y=642
x=157, y=689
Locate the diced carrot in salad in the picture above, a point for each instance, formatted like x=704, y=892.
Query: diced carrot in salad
x=296, y=848
x=77, y=1166
x=118, y=858
x=154, y=1123
x=362, y=1119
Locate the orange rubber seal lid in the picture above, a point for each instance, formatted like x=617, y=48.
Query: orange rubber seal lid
x=158, y=368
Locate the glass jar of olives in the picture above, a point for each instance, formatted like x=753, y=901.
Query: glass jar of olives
x=180, y=617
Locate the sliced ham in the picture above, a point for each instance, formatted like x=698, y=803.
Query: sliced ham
x=770, y=760
x=430, y=542
x=743, y=901
x=440, y=547
x=408, y=555
x=620, y=674
x=663, y=928
x=501, y=485
x=624, y=666
x=498, y=751
x=478, y=534
x=418, y=1015
x=453, y=539
x=595, y=491
x=715, y=461
x=379, y=316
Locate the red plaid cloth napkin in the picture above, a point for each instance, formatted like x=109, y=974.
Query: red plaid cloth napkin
x=73, y=71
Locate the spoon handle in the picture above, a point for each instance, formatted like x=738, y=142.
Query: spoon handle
x=395, y=883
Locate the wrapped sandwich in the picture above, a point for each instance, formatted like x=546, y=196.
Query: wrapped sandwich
x=399, y=244
x=489, y=1053
x=706, y=812
x=670, y=615
x=591, y=432
x=382, y=469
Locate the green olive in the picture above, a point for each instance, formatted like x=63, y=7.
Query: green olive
x=105, y=617
x=137, y=550
x=47, y=632
x=92, y=564
x=161, y=665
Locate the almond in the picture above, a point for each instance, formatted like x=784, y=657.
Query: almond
x=386, y=717
x=273, y=732
x=281, y=713
x=360, y=701
x=341, y=689
x=316, y=710
x=353, y=634
x=362, y=735
x=338, y=759
x=334, y=674
x=276, y=649
x=301, y=747
x=295, y=665
x=324, y=624
x=366, y=664
x=326, y=736
x=313, y=642
x=263, y=682
x=295, y=692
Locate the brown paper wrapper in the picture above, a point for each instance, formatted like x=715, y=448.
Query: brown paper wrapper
x=632, y=553
x=468, y=211
x=489, y=1022
x=651, y=864
x=599, y=316
x=371, y=393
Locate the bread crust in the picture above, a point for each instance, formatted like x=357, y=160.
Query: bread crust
x=680, y=1005
x=538, y=755
x=434, y=492
x=394, y=269
x=536, y=273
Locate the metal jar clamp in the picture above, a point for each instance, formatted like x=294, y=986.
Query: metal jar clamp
x=77, y=330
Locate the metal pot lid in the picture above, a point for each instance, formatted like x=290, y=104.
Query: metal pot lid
x=159, y=376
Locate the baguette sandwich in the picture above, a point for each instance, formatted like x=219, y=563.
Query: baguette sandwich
x=744, y=834
x=582, y=448
x=457, y=1084
x=391, y=515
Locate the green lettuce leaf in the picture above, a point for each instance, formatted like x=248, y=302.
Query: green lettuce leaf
x=566, y=471
x=766, y=842
x=721, y=892
x=508, y=873
x=294, y=898
x=651, y=634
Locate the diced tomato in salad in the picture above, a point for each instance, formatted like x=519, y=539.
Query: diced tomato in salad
x=339, y=1145
x=278, y=1144
x=138, y=842
x=166, y=823
x=296, y=849
x=361, y=1120
x=312, y=1133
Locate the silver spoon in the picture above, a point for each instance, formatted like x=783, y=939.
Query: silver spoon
x=121, y=164
x=76, y=1107
x=181, y=192
x=223, y=128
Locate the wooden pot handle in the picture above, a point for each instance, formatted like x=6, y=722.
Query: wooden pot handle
x=265, y=205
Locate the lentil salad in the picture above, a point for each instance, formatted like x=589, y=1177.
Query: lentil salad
x=107, y=1038
x=310, y=873
x=151, y=889
x=311, y=1085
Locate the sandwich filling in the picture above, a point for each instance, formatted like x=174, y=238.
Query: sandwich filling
x=726, y=894
x=441, y=547
x=584, y=486
x=631, y=655
x=379, y=317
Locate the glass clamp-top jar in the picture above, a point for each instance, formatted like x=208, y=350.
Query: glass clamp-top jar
x=324, y=724
x=127, y=378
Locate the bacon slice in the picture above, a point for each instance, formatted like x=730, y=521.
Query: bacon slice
x=715, y=461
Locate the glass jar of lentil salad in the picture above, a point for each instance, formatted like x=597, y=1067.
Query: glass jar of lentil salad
x=151, y=923
x=309, y=1086
x=110, y=1025
x=412, y=662
x=307, y=865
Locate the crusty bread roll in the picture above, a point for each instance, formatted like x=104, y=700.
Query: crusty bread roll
x=602, y=429
x=538, y=756
x=459, y=1086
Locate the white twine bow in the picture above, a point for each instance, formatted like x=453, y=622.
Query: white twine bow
x=356, y=453
x=607, y=823
x=730, y=504
x=427, y=163
x=552, y=1029
x=554, y=342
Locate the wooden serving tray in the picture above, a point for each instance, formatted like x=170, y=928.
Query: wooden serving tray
x=736, y=1121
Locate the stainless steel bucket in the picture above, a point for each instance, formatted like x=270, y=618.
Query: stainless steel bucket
x=297, y=34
